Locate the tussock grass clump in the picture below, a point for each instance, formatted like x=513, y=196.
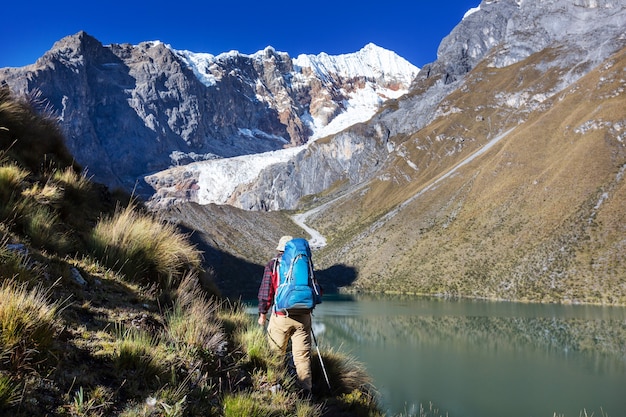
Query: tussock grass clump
x=358, y=404
x=28, y=323
x=79, y=194
x=254, y=344
x=345, y=373
x=9, y=392
x=193, y=321
x=15, y=263
x=92, y=403
x=143, y=248
x=43, y=225
x=236, y=405
x=141, y=356
x=73, y=182
x=32, y=208
x=11, y=179
x=234, y=316
x=49, y=194
x=280, y=403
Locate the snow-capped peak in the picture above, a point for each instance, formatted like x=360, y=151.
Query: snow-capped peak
x=382, y=75
x=371, y=61
x=471, y=11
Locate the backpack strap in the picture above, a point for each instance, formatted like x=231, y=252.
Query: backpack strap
x=276, y=272
x=275, y=279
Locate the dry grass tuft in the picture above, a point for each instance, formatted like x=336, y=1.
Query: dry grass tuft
x=30, y=134
x=143, y=248
x=9, y=392
x=28, y=324
x=193, y=321
x=345, y=373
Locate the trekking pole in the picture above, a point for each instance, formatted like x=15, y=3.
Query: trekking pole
x=321, y=361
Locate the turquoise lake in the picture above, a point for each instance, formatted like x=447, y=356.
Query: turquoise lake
x=481, y=358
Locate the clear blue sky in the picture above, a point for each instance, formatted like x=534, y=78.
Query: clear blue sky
x=411, y=28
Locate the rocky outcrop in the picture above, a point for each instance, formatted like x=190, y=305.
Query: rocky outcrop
x=512, y=30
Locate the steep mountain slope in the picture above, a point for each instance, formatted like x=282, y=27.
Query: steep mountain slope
x=536, y=217
x=128, y=110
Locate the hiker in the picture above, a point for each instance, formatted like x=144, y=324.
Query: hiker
x=283, y=325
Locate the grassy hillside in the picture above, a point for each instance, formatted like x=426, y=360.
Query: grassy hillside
x=107, y=310
x=538, y=217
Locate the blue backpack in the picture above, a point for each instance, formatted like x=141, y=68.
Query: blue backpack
x=297, y=287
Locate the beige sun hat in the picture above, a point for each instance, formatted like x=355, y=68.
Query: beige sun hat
x=282, y=242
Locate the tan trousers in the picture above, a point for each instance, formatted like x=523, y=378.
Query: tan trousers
x=298, y=328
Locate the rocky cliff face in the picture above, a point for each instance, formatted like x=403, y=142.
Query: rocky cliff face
x=128, y=110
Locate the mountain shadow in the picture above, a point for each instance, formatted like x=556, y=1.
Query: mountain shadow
x=337, y=276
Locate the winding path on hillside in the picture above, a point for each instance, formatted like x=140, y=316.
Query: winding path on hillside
x=317, y=240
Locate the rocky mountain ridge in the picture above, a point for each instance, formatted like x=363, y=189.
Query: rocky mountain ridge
x=128, y=110
x=497, y=33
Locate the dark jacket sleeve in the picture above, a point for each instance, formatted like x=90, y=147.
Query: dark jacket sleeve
x=267, y=288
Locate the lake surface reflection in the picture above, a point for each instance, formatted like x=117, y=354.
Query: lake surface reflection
x=482, y=359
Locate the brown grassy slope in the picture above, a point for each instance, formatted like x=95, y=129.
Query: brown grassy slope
x=522, y=221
